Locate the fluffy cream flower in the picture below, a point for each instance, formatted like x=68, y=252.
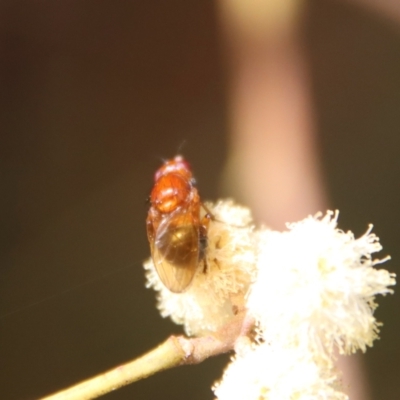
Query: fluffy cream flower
x=310, y=291
x=318, y=283
x=314, y=292
x=268, y=372
x=215, y=295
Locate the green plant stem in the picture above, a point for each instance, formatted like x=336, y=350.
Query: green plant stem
x=175, y=351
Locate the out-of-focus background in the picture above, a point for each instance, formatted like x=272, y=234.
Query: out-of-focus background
x=94, y=94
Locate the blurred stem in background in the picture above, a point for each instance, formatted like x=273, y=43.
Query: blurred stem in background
x=273, y=165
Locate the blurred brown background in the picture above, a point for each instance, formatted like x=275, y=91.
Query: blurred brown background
x=93, y=95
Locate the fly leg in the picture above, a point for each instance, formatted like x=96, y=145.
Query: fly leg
x=209, y=216
x=203, y=238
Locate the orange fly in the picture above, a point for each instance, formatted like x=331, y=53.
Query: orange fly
x=176, y=232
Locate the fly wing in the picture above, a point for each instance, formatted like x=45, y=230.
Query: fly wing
x=176, y=250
